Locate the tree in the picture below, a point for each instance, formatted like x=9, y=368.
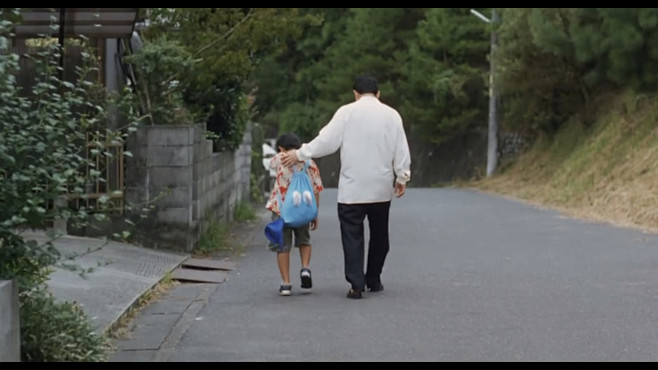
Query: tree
x=553, y=59
x=286, y=90
x=321, y=65
x=373, y=41
x=229, y=43
x=539, y=80
x=431, y=64
x=160, y=98
x=445, y=74
x=617, y=45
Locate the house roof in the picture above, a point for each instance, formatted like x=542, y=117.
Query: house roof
x=90, y=22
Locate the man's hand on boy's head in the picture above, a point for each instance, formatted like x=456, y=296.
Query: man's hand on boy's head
x=289, y=158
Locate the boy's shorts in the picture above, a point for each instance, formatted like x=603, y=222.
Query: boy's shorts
x=302, y=236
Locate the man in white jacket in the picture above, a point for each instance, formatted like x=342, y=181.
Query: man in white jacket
x=375, y=165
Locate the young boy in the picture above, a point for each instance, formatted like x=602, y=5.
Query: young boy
x=302, y=236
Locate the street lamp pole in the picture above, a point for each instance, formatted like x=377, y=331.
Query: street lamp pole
x=492, y=151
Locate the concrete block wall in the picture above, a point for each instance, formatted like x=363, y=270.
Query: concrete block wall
x=510, y=144
x=10, y=350
x=202, y=187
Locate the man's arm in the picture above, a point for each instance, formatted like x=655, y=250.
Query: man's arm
x=401, y=161
x=402, y=158
x=327, y=142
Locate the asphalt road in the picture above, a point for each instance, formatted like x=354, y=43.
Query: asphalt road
x=470, y=277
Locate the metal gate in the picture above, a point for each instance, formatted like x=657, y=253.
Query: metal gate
x=107, y=191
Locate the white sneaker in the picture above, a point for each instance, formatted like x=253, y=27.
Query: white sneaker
x=285, y=290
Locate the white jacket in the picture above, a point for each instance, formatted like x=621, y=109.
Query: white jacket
x=373, y=150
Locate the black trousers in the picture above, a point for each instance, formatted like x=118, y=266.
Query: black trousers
x=352, y=217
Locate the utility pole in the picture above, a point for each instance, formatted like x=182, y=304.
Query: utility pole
x=492, y=150
x=492, y=155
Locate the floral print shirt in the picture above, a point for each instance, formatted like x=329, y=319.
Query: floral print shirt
x=283, y=177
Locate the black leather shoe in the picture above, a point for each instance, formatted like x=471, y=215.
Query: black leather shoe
x=375, y=287
x=354, y=294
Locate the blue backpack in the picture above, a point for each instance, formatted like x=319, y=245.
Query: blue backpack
x=299, y=208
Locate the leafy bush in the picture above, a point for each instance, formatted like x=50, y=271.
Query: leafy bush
x=44, y=163
x=259, y=176
x=54, y=144
x=214, y=239
x=54, y=331
x=228, y=116
x=228, y=44
x=158, y=67
x=256, y=187
x=244, y=212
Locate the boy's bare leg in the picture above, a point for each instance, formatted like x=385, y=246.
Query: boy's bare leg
x=283, y=258
x=305, y=254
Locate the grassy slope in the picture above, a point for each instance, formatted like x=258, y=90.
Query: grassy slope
x=605, y=172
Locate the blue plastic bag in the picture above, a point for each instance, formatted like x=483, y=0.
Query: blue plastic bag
x=274, y=232
x=299, y=208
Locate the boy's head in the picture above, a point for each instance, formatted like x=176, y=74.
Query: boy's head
x=288, y=141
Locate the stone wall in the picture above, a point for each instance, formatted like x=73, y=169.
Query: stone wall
x=462, y=158
x=511, y=144
x=174, y=168
x=10, y=350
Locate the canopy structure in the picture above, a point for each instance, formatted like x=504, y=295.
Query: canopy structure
x=75, y=22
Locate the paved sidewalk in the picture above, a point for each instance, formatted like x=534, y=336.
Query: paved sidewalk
x=122, y=274
x=157, y=329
